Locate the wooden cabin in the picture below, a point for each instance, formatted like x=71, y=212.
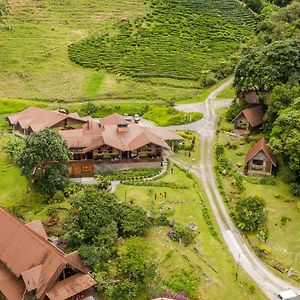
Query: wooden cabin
x=260, y=159
x=248, y=119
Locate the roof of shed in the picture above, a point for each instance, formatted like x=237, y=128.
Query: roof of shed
x=254, y=115
x=261, y=145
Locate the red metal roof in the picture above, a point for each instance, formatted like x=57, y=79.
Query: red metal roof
x=254, y=115
x=261, y=145
x=26, y=253
x=38, y=118
x=70, y=287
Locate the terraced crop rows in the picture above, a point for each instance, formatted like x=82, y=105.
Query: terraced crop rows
x=178, y=39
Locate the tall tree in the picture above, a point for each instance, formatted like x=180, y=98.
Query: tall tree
x=280, y=98
x=95, y=218
x=268, y=66
x=285, y=136
x=43, y=160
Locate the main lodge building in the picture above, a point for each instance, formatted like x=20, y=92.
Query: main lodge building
x=114, y=142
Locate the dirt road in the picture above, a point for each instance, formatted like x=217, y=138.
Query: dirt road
x=270, y=284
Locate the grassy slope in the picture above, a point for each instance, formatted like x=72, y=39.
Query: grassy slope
x=36, y=64
x=284, y=240
x=212, y=258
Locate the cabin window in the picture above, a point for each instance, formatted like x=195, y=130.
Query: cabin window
x=258, y=162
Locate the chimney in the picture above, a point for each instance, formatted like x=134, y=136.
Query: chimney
x=122, y=127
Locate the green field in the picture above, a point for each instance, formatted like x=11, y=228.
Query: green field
x=282, y=246
x=36, y=36
x=208, y=258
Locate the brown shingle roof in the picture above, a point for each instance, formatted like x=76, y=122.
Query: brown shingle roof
x=38, y=227
x=83, y=138
x=261, y=145
x=254, y=115
x=24, y=252
x=38, y=118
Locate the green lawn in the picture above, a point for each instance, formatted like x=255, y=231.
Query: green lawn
x=228, y=93
x=283, y=242
x=183, y=153
x=207, y=257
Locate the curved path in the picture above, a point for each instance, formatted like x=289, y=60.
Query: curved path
x=270, y=284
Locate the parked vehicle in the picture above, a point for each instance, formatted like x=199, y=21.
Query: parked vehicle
x=288, y=295
x=136, y=118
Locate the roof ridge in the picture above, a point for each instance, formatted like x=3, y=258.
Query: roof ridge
x=41, y=240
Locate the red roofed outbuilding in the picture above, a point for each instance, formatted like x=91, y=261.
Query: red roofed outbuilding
x=260, y=159
x=249, y=118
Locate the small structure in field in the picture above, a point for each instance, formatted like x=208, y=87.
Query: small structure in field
x=32, y=267
x=249, y=96
x=248, y=119
x=260, y=159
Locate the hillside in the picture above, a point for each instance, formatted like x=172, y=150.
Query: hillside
x=177, y=39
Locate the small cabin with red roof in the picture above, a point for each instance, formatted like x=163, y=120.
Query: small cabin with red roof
x=260, y=159
x=249, y=118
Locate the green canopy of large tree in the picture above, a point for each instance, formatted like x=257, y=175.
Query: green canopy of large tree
x=268, y=66
x=43, y=160
x=279, y=99
x=285, y=136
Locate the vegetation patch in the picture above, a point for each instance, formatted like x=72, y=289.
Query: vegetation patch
x=183, y=40
x=184, y=237
x=266, y=202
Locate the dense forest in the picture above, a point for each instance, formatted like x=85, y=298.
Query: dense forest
x=272, y=66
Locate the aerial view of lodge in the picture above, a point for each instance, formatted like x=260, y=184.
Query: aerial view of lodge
x=149, y=150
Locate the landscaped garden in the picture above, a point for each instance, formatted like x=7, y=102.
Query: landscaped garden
x=195, y=262
x=277, y=240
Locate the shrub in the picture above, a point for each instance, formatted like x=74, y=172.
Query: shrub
x=284, y=220
x=227, y=127
x=185, y=282
x=14, y=147
x=250, y=213
x=58, y=197
x=182, y=234
x=295, y=189
x=133, y=220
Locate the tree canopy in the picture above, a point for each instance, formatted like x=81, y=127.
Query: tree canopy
x=280, y=98
x=270, y=65
x=285, y=136
x=250, y=213
x=43, y=160
x=98, y=223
